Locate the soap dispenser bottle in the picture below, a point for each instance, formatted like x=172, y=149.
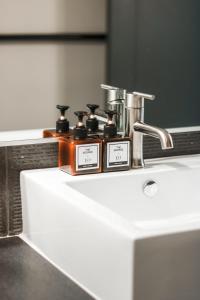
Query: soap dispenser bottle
x=92, y=124
x=62, y=125
x=116, y=149
x=80, y=154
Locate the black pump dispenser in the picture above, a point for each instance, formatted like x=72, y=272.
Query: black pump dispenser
x=62, y=124
x=110, y=129
x=80, y=131
x=92, y=123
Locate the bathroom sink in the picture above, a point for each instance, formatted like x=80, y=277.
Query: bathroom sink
x=123, y=235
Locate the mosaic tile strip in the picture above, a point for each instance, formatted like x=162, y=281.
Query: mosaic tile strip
x=3, y=196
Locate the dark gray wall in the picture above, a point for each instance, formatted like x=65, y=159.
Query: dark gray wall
x=154, y=47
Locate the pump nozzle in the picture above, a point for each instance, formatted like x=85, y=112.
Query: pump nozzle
x=80, y=131
x=110, y=129
x=80, y=115
x=110, y=114
x=92, y=123
x=62, y=124
x=92, y=108
x=62, y=109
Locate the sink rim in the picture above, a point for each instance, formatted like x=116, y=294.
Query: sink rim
x=107, y=215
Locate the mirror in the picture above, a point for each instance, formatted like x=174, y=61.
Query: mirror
x=150, y=46
x=154, y=47
x=51, y=52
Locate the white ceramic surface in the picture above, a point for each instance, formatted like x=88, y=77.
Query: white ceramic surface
x=19, y=135
x=23, y=137
x=87, y=225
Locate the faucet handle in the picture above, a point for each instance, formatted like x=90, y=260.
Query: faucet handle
x=136, y=99
x=114, y=93
x=144, y=96
x=108, y=87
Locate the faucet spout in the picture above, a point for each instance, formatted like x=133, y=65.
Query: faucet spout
x=101, y=117
x=130, y=122
x=139, y=130
x=163, y=135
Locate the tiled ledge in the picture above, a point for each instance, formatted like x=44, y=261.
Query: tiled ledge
x=42, y=153
x=23, y=137
x=34, y=136
x=184, y=129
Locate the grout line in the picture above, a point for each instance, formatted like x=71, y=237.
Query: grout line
x=7, y=205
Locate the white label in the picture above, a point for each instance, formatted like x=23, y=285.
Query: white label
x=118, y=154
x=87, y=157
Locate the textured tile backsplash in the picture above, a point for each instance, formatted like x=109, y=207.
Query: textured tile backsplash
x=184, y=143
x=14, y=159
x=3, y=185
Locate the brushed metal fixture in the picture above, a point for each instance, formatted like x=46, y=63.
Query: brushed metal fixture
x=130, y=121
x=136, y=127
x=116, y=99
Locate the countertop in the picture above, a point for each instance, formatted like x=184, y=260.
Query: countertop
x=34, y=136
x=25, y=275
x=24, y=137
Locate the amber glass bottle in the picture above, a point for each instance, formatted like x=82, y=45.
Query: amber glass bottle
x=80, y=154
x=62, y=125
x=116, y=149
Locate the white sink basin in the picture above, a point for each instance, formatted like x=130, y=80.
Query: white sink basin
x=91, y=226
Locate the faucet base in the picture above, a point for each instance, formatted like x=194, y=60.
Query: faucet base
x=137, y=164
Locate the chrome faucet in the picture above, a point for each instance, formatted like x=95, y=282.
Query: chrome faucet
x=136, y=127
x=116, y=100
x=130, y=121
